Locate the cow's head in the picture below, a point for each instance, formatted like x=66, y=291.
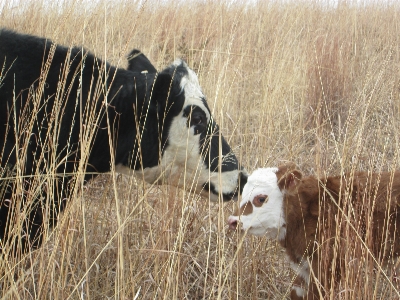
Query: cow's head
x=261, y=209
x=192, y=153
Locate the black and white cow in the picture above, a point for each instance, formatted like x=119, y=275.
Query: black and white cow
x=62, y=111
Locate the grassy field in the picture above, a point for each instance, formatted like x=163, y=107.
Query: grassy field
x=302, y=82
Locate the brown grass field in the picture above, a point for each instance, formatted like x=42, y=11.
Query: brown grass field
x=302, y=81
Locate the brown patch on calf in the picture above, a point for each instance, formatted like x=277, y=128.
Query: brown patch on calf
x=325, y=217
x=245, y=210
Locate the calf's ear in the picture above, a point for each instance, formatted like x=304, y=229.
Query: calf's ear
x=288, y=177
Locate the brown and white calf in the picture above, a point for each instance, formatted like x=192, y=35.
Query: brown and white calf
x=311, y=217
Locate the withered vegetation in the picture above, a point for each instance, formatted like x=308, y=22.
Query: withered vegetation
x=303, y=82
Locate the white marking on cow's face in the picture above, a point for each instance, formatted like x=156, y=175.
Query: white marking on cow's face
x=191, y=87
x=224, y=182
x=266, y=217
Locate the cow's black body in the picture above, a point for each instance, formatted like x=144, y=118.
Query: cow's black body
x=47, y=95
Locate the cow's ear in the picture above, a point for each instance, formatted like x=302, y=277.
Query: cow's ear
x=138, y=62
x=288, y=177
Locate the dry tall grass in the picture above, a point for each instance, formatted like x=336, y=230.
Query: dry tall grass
x=304, y=82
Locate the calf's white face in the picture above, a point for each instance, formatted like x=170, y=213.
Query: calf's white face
x=261, y=208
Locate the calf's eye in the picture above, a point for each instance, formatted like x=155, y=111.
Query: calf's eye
x=259, y=200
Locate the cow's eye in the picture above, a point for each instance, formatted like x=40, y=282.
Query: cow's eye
x=196, y=120
x=259, y=200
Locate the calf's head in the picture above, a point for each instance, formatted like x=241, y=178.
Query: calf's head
x=192, y=153
x=261, y=209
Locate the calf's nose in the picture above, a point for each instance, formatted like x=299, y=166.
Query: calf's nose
x=232, y=221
